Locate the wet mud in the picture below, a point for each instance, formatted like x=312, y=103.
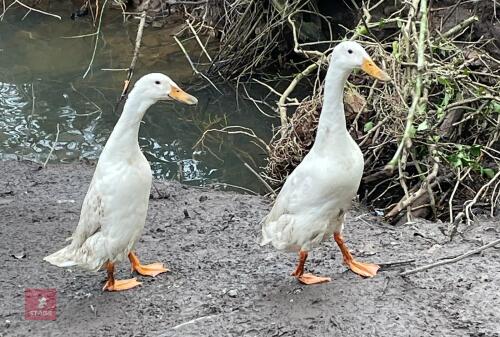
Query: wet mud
x=222, y=283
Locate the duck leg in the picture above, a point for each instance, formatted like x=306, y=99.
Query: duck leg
x=360, y=268
x=117, y=285
x=307, y=278
x=152, y=269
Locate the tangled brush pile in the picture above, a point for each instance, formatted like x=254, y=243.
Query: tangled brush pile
x=430, y=137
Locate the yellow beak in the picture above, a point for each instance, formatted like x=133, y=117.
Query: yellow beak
x=371, y=69
x=182, y=96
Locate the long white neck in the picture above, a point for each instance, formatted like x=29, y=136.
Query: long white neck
x=124, y=140
x=332, y=123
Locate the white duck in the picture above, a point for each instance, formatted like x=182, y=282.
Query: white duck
x=315, y=197
x=114, y=209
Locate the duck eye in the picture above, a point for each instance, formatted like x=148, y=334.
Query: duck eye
x=349, y=51
x=157, y=82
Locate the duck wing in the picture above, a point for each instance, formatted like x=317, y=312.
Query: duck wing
x=90, y=223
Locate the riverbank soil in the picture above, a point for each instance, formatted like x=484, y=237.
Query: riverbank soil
x=222, y=283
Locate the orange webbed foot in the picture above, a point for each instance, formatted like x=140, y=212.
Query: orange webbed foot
x=152, y=269
x=363, y=269
x=119, y=285
x=309, y=279
x=360, y=268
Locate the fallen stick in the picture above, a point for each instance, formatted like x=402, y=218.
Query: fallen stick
x=199, y=41
x=408, y=201
x=36, y=10
x=395, y=263
x=196, y=71
x=52, y=147
x=469, y=203
x=194, y=321
x=288, y=91
x=138, y=40
x=269, y=188
x=462, y=25
x=96, y=40
x=448, y=261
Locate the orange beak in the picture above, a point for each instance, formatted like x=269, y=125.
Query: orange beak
x=371, y=69
x=182, y=96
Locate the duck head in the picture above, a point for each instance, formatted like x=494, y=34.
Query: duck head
x=159, y=87
x=348, y=55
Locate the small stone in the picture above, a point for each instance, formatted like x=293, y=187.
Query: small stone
x=232, y=293
x=7, y=323
x=485, y=278
x=19, y=256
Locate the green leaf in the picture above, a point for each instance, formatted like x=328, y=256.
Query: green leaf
x=490, y=173
x=423, y=126
x=440, y=112
x=481, y=91
x=452, y=159
x=368, y=126
x=475, y=150
x=455, y=161
x=361, y=30
x=443, y=80
x=448, y=94
x=496, y=107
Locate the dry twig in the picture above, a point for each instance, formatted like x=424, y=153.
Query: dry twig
x=453, y=260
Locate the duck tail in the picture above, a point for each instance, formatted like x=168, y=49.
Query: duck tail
x=264, y=240
x=266, y=237
x=62, y=258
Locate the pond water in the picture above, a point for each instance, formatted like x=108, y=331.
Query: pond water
x=43, y=96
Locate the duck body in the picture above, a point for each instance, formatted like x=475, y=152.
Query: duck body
x=311, y=206
x=113, y=213
x=115, y=207
x=316, y=196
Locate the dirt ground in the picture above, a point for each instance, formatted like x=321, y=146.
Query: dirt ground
x=222, y=283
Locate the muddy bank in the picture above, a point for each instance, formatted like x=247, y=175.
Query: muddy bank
x=222, y=283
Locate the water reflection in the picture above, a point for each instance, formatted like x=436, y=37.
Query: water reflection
x=43, y=97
